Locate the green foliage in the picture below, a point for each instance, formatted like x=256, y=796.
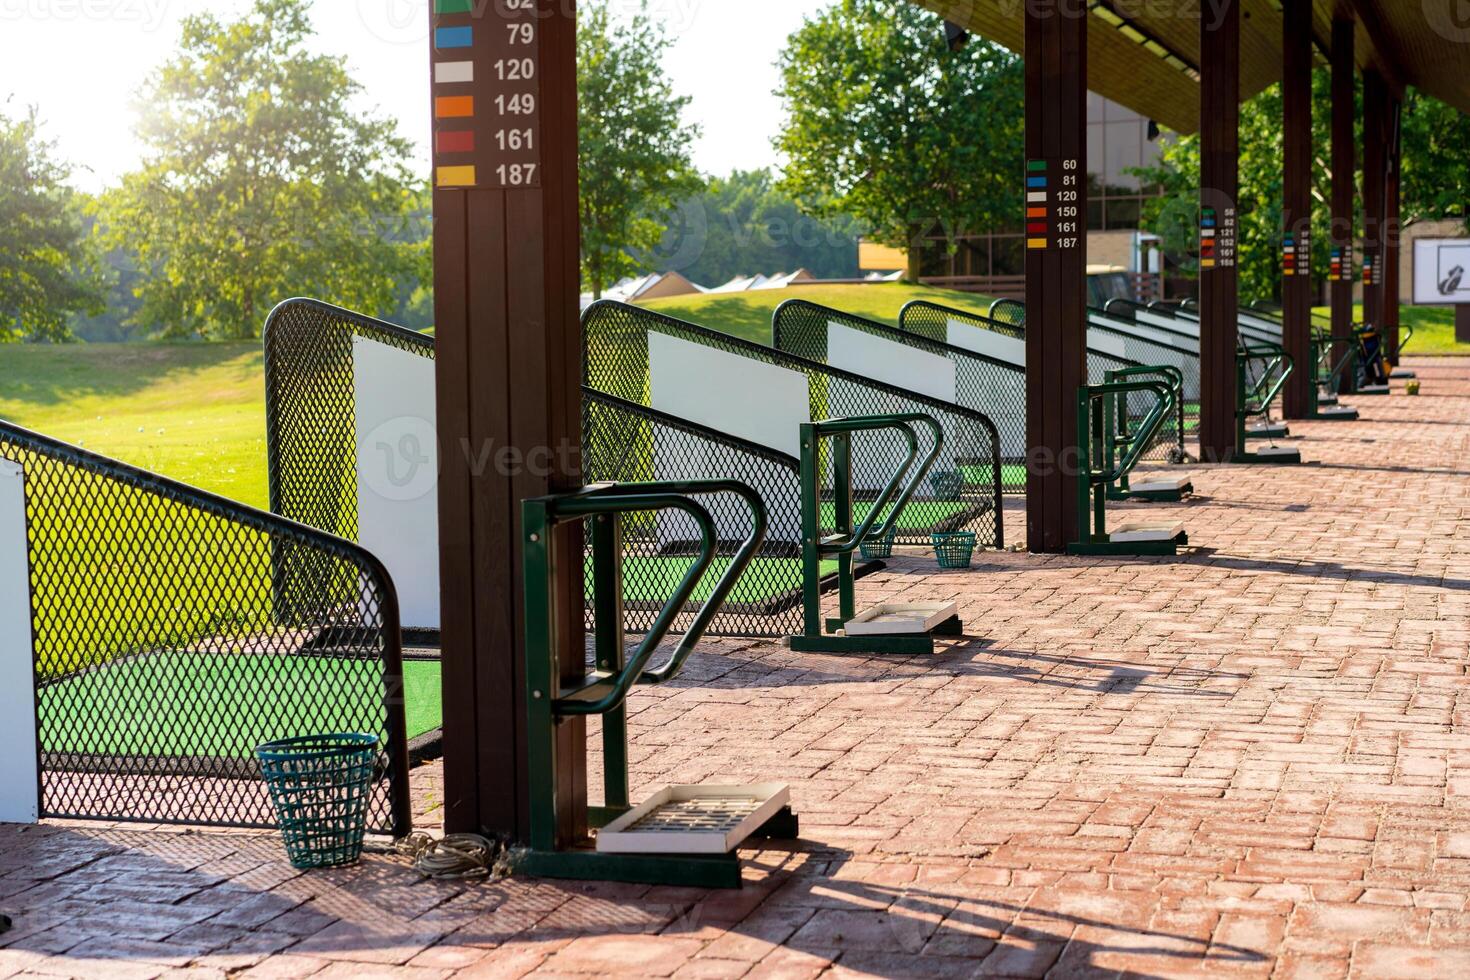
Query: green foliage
x=1436, y=144
x=743, y=224
x=1436, y=140
x=885, y=123
x=47, y=268
x=635, y=161
x=261, y=181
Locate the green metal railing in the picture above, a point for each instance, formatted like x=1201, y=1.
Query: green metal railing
x=1100, y=465
x=1119, y=415
x=1255, y=392
x=604, y=691
x=845, y=539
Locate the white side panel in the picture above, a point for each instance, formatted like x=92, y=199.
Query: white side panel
x=19, y=780
x=398, y=472
x=1177, y=324
x=890, y=362
x=736, y=395
x=1106, y=343
x=987, y=342
x=1442, y=271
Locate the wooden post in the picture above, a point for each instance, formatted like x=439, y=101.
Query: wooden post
x=1375, y=107
x=1296, y=209
x=1462, y=323
x=1391, y=183
x=1343, y=270
x=505, y=308
x=1056, y=267
x=1219, y=107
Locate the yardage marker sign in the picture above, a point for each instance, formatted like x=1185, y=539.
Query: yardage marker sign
x=487, y=93
x=1052, y=218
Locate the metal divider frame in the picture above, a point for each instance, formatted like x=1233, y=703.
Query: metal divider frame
x=1095, y=405
x=167, y=645
x=604, y=690
x=616, y=345
x=1254, y=395
x=311, y=453
x=929, y=323
x=618, y=441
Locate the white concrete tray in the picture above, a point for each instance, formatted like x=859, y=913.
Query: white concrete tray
x=1147, y=531
x=1160, y=486
x=1276, y=451
x=892, y=618
x=1336, y=410
x=709, y=819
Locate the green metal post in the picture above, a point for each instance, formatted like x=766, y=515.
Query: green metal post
x=811, y=525
x=541, y=675
x=842, y=506
x=610, y=652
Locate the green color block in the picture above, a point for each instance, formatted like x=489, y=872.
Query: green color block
x=453, y=6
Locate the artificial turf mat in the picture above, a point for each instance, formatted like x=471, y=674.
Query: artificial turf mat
x=918, y=515
x=649, y=578
x=191, y=705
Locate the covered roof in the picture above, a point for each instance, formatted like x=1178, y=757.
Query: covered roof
x=1146, y=55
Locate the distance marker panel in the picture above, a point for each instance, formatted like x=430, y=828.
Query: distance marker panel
x=1053, y=204
x=487, y=93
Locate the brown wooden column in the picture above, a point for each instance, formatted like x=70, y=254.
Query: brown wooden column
x=1056, y=267
x=1390, y=235
x=1375, y=108
x=1343, y=269
x=1296, y=204
x=1219, y=108
x=506, y=317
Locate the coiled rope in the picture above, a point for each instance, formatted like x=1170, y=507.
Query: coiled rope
x=451, y=856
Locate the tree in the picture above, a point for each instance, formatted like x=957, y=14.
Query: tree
x=260, y=181
x=635, y=161
x=744, y=224
x=885, y=123
x=48, y=272
x=1436, y=143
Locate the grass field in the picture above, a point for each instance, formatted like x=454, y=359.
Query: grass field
x=194, y=412
x=1434, y=328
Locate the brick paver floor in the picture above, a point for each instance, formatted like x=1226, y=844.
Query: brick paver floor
x=1253, y=761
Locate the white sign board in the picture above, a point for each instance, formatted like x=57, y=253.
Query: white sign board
x=398, y=472
x=891, y=362
x=1011, y=350
x=20, y=784
x=736, y=395
x=1442, y=271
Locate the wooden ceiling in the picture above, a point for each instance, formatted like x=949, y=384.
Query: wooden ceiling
x=1423, y=43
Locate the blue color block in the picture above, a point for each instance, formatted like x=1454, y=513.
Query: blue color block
x=454, y=37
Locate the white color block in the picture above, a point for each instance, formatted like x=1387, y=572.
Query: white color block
x=997, y=345
x=736, y=395
x=398, y=472
x=454, y=72
x=893, y=363
x=20, y=793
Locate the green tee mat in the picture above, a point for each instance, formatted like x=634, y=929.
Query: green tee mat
x=200, y=697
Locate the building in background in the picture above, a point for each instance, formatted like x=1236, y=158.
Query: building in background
x=994, y=262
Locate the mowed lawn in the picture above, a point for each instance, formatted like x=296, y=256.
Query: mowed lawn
x=194, y=412
x=1434, y=328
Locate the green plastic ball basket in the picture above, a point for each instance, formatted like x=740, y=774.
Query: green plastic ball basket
x=878, y=547
x=954, y=550
x=320, y=786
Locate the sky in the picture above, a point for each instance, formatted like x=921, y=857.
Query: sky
x=81, y=63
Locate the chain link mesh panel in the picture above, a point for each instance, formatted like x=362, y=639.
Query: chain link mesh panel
x=174, y=631
x=931, y=320
x=983, y=384
x=961, y=494
x=310, y=412
x=627, y=442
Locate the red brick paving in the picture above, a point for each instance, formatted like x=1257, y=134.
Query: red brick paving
x=1253, y=761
